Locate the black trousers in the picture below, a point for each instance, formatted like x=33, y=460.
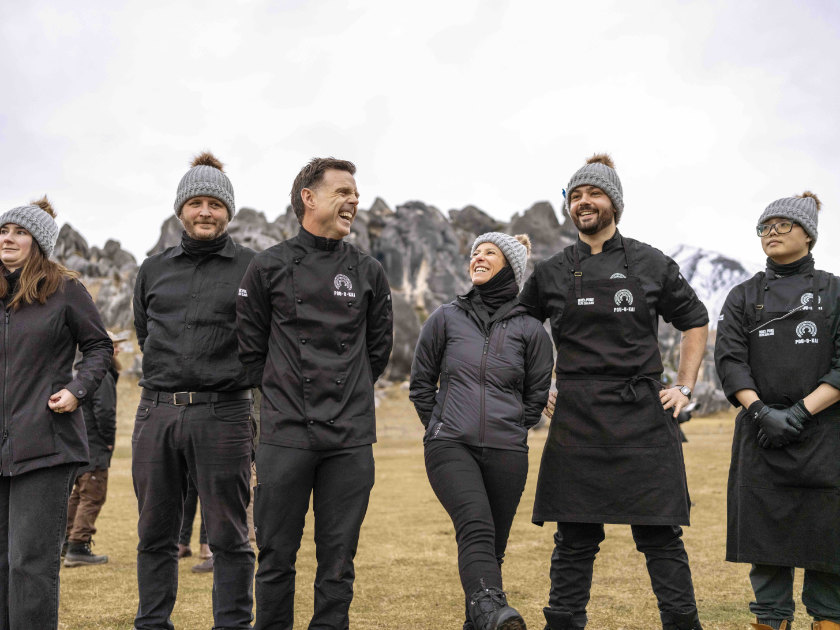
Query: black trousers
x=575, y=548
x=33, y=519
x=339, y=482
x=190, y=509
x=480, y=489
x=211, y=443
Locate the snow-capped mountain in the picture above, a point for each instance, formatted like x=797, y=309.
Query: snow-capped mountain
x=711, y=275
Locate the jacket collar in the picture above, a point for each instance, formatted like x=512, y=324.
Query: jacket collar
x=310, y=241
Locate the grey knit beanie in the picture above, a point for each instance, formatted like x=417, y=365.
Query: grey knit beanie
x=38, y=220
x=802, y=209
x=515, y=251
x=599, y=171
x=205, y=178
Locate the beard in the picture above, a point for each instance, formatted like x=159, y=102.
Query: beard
x=605, y=218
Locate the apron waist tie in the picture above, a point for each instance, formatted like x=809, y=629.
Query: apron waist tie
x=629, y=393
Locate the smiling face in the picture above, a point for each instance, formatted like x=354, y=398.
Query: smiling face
x=591, y=210
x=330, y=205
x=204, y=218
x=15, y=245
x=785, y=248
x=487, y=260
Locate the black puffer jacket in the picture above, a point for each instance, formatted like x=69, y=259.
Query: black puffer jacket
x=494, y=379
x=36, y=360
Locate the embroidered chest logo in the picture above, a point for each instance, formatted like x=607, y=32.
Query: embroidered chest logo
x=343, y=286
x=586, y=301
x=624, y=302
x=617, y=276
x=807, y=300
x=807, y=333
x=766, y=332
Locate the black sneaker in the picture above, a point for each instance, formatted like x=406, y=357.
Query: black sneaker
x=79, y=554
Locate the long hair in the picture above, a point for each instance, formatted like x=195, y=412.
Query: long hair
x=40, y=277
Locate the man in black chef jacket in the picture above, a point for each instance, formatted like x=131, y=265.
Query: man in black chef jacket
x=777, y=353
x=315, y=332
x=613, y=453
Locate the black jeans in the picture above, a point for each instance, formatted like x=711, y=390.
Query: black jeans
x=575, y=547
x=190, y=508
x=773, y=588
x=212, y=444
x=339, y=482
x=33, y=519
x=480, y=489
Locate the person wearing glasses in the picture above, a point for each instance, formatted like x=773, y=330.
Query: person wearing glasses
x=778, y=357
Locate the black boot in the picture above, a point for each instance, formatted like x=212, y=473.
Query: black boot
x=556, y=620
x=675, y=621
x=79, y=554
x=489, y=610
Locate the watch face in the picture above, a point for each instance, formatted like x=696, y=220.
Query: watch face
x=685, y=391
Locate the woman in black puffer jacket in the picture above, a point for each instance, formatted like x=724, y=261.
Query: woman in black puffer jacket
x=45, y=314
x=493, y=361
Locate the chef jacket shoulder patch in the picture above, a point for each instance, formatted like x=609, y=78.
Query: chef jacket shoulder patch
x=806, y=332
x=623, y=301
x=767, y=332
x=343, y=286
x=243, y=292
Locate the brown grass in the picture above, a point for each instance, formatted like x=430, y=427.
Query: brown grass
x=407, y=576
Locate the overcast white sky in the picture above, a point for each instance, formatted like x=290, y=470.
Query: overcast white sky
x=710, y=109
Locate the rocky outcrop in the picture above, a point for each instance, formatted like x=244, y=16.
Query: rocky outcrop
x=108, y=273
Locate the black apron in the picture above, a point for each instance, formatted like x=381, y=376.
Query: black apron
x=784, y=503
x=613, y=454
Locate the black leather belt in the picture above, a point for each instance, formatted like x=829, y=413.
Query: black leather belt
x=194, y=398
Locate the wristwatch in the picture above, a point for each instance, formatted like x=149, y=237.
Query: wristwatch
x=685, y=390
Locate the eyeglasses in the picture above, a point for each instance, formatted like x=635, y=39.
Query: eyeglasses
x=782, y=227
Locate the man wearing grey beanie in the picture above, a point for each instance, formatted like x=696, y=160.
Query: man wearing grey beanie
x=613, y=453
x=194, y=417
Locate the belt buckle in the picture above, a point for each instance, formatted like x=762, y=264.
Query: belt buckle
x=182, y=404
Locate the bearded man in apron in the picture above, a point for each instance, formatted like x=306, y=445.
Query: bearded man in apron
x=778, y=358
x=613, y=453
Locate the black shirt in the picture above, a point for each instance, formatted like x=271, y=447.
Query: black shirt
x=185, y=317
x=667, y=293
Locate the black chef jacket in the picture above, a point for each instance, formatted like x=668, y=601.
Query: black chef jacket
x=315, y=327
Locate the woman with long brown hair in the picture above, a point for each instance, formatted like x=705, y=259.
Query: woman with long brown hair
x=45, y=314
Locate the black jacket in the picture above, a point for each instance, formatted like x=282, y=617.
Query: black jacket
x=100, y=413
x=36, y=360
x=185, y=318
x=315, y=328
x=494, y=378
x=667, y=293
x=732, y=357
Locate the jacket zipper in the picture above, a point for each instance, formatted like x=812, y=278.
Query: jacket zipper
x=482, y=419
x=6, y=466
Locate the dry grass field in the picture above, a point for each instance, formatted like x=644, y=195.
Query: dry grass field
x=406, y=569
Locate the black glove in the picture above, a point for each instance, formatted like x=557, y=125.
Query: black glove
x=801, y=413
x=777, y=426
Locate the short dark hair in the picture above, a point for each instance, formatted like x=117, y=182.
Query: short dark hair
x=311, y=175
